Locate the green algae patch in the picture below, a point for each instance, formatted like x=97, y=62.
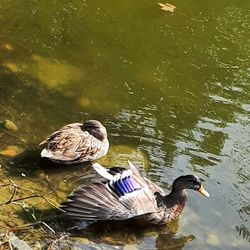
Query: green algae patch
x=53, y=73
x=118, y=156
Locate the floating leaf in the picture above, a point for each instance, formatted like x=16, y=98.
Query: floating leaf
x=167, y=7
x=7, y=46
x=11, y=151
x=8, y=153
x=10, y=125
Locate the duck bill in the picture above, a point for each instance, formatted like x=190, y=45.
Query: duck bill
x=203, y=191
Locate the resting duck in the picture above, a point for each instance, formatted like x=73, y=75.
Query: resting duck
x=125, y=194
x=77, y=142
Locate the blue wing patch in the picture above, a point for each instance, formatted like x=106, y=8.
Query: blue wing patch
x=124, y=186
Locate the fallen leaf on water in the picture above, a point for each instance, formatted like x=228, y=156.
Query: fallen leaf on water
x=11, y=151
x=10, y=125
x=167, y=7
x=8, y=153
x=7, y=46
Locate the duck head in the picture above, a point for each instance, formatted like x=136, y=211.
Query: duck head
x=96, y=129
x=189, y=182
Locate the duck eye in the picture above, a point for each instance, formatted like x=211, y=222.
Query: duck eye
x=197, y=186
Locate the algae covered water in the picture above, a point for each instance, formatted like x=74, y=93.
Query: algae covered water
x=172, y=89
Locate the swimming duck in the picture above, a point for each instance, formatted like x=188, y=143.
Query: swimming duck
x=77, y=142
x=124, y=194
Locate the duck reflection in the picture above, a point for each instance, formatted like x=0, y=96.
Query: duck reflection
x=171, y=241
x=132, y=233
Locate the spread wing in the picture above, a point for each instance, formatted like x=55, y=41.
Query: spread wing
x=71, y=143
x=124, y=194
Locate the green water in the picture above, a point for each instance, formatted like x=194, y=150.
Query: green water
x=172, y=89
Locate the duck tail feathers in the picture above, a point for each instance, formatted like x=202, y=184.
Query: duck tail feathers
x=46, y=153
x=43, y=142
x=102, y=171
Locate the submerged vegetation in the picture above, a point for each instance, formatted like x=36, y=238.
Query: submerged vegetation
x=172, y=88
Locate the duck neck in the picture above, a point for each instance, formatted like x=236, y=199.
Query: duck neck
x=176, y=197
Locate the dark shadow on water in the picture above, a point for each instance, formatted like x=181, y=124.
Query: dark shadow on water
x=46, y=177
x=52, y=168
x=25, y=163
x=30, y=162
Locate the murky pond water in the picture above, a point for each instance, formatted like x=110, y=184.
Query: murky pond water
x=172, y=89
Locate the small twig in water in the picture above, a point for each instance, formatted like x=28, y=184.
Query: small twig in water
x=12, y=196
x=11, y=200
x=19, y=199
x=46, y=225
x=38, y=223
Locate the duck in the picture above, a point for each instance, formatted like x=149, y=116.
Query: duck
x=123, y=194
x=76, y=143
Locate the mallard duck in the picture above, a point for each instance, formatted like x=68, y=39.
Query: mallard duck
x=77, y=142
x=124, y=194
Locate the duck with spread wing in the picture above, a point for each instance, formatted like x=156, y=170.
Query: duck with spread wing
x=125, y=194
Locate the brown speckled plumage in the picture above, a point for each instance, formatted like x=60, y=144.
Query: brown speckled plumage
x=125, y=194
x=77, y=142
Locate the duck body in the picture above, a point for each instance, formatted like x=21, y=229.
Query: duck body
x=124, y=194
x=76, y=143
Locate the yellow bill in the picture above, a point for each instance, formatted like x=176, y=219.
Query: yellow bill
x=203, y=191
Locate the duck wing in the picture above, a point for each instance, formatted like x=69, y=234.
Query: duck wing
x=71, y=143
x=122, y=195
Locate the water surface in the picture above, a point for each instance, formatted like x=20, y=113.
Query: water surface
x=173, y=91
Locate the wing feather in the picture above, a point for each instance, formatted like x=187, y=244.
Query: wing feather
x=71, y=143
x=102, y=200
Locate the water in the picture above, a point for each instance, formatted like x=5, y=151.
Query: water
x=172, y=90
